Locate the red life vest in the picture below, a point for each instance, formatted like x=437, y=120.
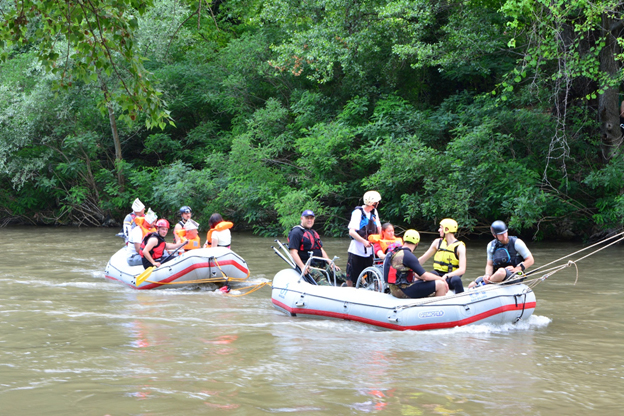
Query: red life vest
x=310, y=240
x=399, y=273
x=158, y=250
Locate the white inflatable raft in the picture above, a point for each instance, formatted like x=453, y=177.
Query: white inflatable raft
x=491, y=303
x=199, y=266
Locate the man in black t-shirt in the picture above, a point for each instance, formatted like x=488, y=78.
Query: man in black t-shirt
x=303, y=242
x=406, y=277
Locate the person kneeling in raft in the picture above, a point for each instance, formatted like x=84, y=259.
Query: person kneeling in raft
x=154, y=245
x=406, y=277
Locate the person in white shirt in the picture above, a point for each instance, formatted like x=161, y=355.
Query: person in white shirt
x=219, y=234
x=138, y=210
x=135, y=238
x=364, y=222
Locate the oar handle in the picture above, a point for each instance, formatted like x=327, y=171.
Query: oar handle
x=174, y=251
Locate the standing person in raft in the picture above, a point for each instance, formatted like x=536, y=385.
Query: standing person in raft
x=364, y=222
x=304, y=242
x=154, y=245
x=507, y=257
x=138, y=211
x=406, y=277
x=449, y=260
x=219, y=234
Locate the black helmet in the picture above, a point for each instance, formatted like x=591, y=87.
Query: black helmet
x=498, y=227
x=185, y=209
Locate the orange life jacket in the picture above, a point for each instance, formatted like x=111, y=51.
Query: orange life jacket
x=191, y=244
x=140, y=221
x=384, y=244
x=222, y=226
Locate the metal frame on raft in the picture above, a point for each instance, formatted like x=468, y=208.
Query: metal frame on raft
x=284, y=254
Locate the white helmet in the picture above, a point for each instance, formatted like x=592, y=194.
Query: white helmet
x=137, y=205
x=371, y=197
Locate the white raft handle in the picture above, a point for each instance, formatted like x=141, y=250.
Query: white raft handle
x=394, y=317
x=300, y=303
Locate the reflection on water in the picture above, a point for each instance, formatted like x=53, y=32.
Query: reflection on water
x=72, y=342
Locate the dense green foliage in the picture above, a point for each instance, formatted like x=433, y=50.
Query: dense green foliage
x=472, y=109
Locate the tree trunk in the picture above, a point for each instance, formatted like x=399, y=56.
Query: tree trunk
x=114, y=131
x=117, y=142
x=608, y=109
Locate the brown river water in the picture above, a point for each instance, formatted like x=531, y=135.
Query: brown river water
x=74, y=343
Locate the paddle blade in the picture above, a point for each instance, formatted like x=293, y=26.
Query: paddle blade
x=143, y=276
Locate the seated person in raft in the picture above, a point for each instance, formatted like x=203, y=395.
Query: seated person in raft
x=507, y=257
x=189, y=234
x=304, y=242
x=384, y=242
x=154, y=245
x=406, y=277
x=449, y=255
x=219, y=234
x=185, y=216
x=144, y=226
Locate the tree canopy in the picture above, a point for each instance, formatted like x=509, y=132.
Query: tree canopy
x=471, y=109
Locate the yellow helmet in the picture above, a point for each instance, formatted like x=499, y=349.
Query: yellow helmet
x=449, y=225
x=411, y=236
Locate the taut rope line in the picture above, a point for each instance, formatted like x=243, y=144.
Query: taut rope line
x=530, y=283
x=583, y=249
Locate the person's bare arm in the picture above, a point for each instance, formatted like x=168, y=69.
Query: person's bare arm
x=430, y=251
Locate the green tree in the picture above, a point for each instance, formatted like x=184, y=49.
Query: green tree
x=573, y=48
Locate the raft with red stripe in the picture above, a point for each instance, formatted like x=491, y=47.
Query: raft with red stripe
x=195, y=267
x=495, y=304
